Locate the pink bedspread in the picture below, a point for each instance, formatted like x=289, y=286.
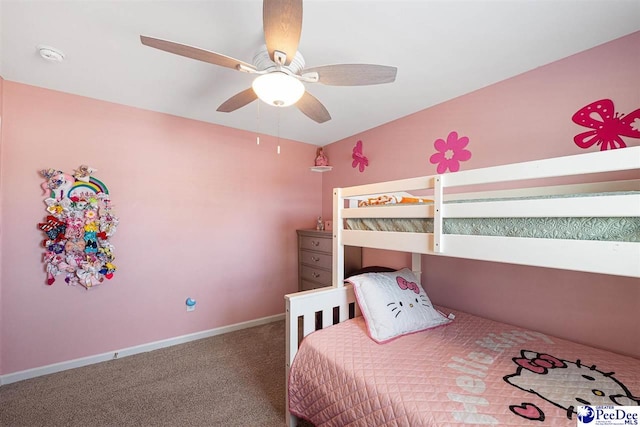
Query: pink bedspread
x=473, y=371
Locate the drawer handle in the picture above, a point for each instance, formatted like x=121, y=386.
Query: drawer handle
x=315, y=258
x=315, y=243
x=315, y=275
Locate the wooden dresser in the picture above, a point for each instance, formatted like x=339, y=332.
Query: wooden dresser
x=315, y=260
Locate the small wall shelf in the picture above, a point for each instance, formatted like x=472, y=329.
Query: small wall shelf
x=321, y=168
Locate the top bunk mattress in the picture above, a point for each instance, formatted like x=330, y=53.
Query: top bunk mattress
x=473, y=371
x=622, y=229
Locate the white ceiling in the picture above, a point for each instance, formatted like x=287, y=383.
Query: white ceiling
x=442, y=48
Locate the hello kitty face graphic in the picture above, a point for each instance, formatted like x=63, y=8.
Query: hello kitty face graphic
x=411, y=299
x=565, y=384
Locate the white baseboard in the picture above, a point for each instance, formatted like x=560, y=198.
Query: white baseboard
x=117, y=354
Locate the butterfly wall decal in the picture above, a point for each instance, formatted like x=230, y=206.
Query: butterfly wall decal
x=606, y=125
x=359, y=160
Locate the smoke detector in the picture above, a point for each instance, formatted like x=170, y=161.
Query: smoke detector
x=50, y=53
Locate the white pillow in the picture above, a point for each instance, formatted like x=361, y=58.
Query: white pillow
x=394, y=304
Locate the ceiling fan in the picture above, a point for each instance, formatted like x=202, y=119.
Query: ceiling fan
x=280, y=67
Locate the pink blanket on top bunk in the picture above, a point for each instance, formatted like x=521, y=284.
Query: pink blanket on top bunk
x=473, y=371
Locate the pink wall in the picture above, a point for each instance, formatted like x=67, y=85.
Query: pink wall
x=1, y=228
x=204, y=213
x=524, y=118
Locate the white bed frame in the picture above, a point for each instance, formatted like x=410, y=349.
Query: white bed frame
x=616, y=258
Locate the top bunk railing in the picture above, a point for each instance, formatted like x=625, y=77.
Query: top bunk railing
x=580, y=164
x=438, y=187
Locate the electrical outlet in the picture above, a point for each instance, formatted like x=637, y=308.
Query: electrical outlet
x=191, y=308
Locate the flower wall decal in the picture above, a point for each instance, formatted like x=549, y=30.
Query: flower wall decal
x=450, y=152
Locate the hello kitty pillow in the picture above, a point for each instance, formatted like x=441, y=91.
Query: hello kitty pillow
x=394, y=304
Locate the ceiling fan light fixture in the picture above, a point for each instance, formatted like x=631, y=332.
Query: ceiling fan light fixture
x=278, y=88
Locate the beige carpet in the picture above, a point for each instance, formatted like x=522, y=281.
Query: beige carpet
x=235, y=379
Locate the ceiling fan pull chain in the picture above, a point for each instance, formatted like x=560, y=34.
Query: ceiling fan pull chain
x=258, y=125
x=278, y=129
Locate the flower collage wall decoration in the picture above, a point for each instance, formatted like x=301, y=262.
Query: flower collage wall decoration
x=78, y=227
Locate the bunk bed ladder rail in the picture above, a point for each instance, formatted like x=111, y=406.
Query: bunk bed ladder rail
x=438, y=213
x=338, y=247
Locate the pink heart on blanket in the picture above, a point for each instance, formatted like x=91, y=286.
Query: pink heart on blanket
x=528, y=411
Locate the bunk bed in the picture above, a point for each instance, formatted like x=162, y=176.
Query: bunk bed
x=344, y=375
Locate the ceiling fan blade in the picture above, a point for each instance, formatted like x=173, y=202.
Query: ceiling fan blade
x=313, y=108
x=238, y=100
x=282, y=22
x=197, y=53
x=353, y=74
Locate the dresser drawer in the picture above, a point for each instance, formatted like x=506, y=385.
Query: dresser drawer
x=323, y=277
x=321, y=244
x=307, y=285
x=316, y=259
